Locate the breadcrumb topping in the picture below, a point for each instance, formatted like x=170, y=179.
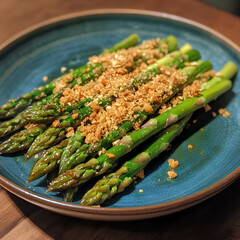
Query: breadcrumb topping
x=192, y=90
x=110, y=155
x=129, y=102
x=224, y=112
x=190, y=146
x=120, y=70
x=140, y=174
x=172, y=163
x=172, y=174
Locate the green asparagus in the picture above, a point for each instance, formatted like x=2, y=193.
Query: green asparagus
x=13, y=105
x=21, y=140
x=116, y=182
x=93, y=167
x=41, y=113
x=70, y=156
x=55, y=134
x=73, y=155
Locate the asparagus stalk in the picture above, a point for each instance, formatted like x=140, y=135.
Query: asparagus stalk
x=69, y=194
x=42, y=142
x=22, y=139
x=125, y=43
x=116, y=182
x=55, y=134
x=12, y=105
x=73, y=154
x=83, y=172
x=48, y=160
x=86, y=73
x=41, y=113
x=46, y=113
x=22, y=118
x=68, y=159
x=18, y=122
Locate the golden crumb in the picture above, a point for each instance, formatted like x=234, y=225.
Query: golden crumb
x=36, y=156
x=141, y=190
x=194, y=121
x=172, y=163
x=140, y=174
x=30, y=125
x=214, y=114
x=207, y=108
x=190, y=146
x=110, y=155
x=172, y=174
x=70, y=132
x=68, y=77
x=63, y=69
x=218, y=74
x=45, y=78
x=56, y=123
x=192, y=90
x=148, y=108
x=120, y=70
x=224, y=112
x=129, y=101
x=75, y=116
x=193, y=63
x=102, y=151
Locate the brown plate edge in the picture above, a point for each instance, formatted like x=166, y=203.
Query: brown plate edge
x=133, y=213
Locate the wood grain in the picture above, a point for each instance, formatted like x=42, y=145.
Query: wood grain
x=217, y=218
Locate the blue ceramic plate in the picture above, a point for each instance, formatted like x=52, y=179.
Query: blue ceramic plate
x=68, y=41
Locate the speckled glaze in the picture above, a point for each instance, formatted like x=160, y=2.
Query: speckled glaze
x=212, y=165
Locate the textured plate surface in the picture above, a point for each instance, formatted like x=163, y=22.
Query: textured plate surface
x=211, y=166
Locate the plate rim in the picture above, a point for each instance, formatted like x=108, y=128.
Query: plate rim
x=110, y=213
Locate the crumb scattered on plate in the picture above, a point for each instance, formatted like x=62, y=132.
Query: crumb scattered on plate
x=224, y=112
x=45, y=78
x=63, y=69
x=172, y=174
x=173, y=163
x=190, y=146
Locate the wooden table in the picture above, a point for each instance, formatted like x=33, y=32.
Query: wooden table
x=217, y=218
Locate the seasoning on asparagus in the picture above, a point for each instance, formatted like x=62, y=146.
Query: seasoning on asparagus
x=13, y=105
x=83, y=172
x=121, y=78
x=73, y=154
x=117, y=181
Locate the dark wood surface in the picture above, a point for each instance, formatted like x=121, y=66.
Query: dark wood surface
x=216, y=219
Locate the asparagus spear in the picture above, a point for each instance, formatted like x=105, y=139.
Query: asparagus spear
x=47, y=112
x=43, y=142
x=86, y=72
x=125, y=43
x=116, y=182
x=70, y=156
x=83, y=172
x=22, y=139
x=41, y=113
x=73, y=154
x=55, y=134
x=47, y=161
x=22, y=119
x=12, y=105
